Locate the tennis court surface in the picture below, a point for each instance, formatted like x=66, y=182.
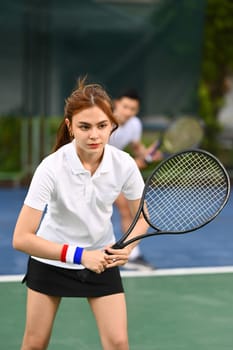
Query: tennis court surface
x=186, y=303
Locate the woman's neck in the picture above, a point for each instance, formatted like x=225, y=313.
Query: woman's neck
x=91, y=162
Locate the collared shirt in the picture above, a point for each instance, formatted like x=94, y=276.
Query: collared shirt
x=79, y=205
x=131, y=131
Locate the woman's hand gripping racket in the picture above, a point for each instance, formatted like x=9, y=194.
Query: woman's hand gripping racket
x=183, y=133
x=184, y=193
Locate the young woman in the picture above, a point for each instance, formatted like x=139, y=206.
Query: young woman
x=68, y=242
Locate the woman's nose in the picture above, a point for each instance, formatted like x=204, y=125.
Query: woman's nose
x=94, y=133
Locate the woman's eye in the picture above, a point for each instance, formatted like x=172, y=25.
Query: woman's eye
x=102, y=126
x=84, y=127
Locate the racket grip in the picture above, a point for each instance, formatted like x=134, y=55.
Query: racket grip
x=117, y=245
x=156, y=147
x=149, y=157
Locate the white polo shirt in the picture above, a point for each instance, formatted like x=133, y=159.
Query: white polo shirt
x=79, y=206
x=131, y=131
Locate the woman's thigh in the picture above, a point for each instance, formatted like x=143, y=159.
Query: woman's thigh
x=40, y=315
x=111, y=317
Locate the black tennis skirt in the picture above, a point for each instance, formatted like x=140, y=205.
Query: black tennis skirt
x=63, y=282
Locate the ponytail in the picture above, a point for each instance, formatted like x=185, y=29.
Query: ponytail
x=63, y=136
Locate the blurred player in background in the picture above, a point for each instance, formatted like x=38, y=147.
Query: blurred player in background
x=129, y=134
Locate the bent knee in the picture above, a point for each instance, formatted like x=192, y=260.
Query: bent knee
x=34, y=342
x=119, y=343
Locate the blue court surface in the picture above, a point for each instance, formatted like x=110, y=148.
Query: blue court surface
x=209, y=246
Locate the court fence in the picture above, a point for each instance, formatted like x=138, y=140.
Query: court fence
x=24, y=142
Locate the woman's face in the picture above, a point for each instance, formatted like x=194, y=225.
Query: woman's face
x=91, y=129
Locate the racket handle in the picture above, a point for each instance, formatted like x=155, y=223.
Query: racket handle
x=117, y=245
x=149, y=157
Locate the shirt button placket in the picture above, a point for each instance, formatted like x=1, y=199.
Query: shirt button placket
x=88, y=189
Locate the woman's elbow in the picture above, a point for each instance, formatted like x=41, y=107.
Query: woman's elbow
x=17, y=242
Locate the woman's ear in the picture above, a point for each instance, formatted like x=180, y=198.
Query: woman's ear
x=68, y=124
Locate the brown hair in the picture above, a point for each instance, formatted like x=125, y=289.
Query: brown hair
x=83, y=97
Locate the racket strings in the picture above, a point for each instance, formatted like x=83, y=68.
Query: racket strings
x=192, y=195
x=185, y=193
x=199, y=214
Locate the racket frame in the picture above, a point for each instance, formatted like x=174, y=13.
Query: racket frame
x=161, y=142
x=121, y=243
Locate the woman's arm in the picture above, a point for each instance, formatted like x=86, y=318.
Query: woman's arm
x=141, y=226
x=26, y=240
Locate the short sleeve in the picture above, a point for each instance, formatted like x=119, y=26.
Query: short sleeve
x=137, y=130
x=41, y=187
x=134, y=185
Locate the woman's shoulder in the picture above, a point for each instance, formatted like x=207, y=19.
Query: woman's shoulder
x=53, y=160
x=119, y=155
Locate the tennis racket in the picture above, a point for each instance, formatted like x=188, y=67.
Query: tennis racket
x=183, y=133
x=184, y=193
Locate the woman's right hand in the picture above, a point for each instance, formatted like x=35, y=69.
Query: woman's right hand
x=94, y=260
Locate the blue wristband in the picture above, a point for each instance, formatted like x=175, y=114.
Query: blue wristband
x=78, y=255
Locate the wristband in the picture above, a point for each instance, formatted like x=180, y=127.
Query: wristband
x=71, y=254
x=64, y=252
x=78, y=255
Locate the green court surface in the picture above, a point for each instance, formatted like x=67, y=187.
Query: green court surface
x=193, y=312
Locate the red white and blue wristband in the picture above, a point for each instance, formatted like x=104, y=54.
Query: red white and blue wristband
x=71, y=254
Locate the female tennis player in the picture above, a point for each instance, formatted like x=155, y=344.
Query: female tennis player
x=65, y=223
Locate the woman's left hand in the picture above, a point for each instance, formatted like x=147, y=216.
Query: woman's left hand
x=116, y=257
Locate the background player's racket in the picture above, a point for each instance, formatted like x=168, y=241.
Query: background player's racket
x=184, y=193
x=183, y=133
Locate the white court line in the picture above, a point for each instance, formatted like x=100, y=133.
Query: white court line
x=11, y=278
x=155, y=273
x=179, y=271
